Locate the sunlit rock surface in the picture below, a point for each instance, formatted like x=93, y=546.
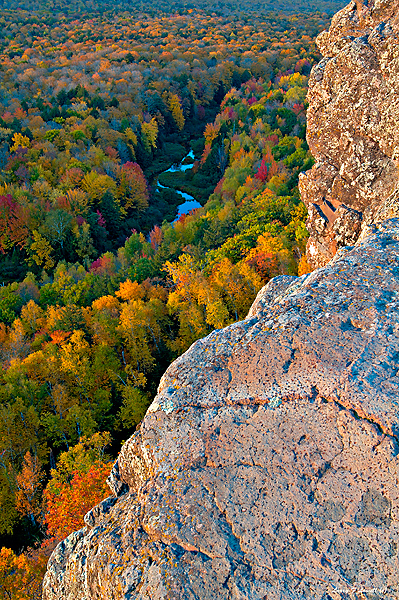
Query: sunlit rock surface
x=267, y=466
x=353, y=126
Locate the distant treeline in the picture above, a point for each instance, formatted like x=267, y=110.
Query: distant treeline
x=179, y=6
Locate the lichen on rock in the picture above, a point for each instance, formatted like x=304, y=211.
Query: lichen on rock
x=275, y=475
x=352, y=126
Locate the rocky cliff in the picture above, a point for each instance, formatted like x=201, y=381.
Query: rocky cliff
x=267, y=467
x=353, y=128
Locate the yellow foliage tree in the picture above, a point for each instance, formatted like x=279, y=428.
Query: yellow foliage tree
x=79, y=201
x=133, y=329
x=150, y=133
x=106, y=303
x=32, y=317
x=40, y=251
x=104, y=320
x=96, y=185
x=131, y=136
x=130, y=290
x=176, y=110
x=196, y=302
x=238, y=284
x=84, y=242
x=211, y=132
x=20, y=141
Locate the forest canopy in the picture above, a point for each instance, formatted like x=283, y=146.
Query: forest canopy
x=244, y=8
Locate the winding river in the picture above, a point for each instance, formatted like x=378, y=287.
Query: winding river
x=189, y=201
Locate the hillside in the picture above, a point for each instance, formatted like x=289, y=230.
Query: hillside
x=267, y=464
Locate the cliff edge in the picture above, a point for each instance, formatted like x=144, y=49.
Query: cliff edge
x=352, y=127
x=268, y=464
x=267, y=467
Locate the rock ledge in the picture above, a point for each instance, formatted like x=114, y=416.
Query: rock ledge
x=267, y=466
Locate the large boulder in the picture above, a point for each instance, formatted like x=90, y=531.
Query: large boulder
x=353, y=126
x=267, y=467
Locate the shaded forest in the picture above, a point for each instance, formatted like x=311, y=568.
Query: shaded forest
x=102, y=286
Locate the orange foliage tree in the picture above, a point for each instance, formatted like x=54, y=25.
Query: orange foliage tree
x=77, y=484
x=29, y=482
x=20, y=576
x=68, y=502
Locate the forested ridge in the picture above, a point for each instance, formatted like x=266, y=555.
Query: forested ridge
x=101, y=287
x=245, y=8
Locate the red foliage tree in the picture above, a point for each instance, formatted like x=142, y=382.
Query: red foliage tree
x=156, y=237
x=13, y=223
x=133, y=189
x=102, y=266
x=263, y=171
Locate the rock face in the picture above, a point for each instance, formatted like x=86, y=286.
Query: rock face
x=267, y=467
x=353, y=126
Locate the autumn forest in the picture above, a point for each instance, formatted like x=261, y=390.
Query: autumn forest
x=112, y=115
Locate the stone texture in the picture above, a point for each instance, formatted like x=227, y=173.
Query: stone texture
x=267, y=467
x=353, y=130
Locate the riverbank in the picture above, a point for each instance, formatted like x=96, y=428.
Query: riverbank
x=170, y=176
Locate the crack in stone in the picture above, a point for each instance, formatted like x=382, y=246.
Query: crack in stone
x=224, y=513
x=382, y=430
